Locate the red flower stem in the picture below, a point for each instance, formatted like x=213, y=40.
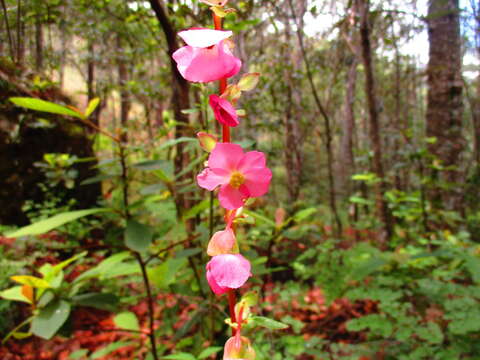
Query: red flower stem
x=231, y=305
x=222, y=86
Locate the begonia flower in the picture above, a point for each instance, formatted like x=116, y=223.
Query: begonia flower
x=238, y=347
x=224, y=111
x=222, y=242
x=227, y=271
x=239, y=175
x=207, y=56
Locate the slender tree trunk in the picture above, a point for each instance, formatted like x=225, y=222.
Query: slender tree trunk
x=347, y=162
x=370, y=90
x=38, y=43
x=293, y=153
x=11, y=45
x=476, y=101
x=445, y=107
x=125, y=102
x=180, y=99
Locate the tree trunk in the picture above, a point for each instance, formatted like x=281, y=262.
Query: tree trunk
x=347, y=163
x=125, y=102
x=370, y=90
x=445, y=107
x=180, y=100
x=38, y=43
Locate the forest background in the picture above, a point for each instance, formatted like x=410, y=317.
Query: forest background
x=367, y=245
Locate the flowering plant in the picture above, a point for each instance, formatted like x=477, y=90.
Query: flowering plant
x=237, y=175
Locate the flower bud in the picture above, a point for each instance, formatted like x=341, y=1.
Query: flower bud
x=238, y=347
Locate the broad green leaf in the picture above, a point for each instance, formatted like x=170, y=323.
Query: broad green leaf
x=45, y=106
x=14, y=294
x=43, y=226
x=166, y=273
x=126, y=320
x=103, y=301
x=209, y=351
x=50, y=319
x=104, y=267
x=109, y=349
x=138, y=237
x=32, y=281
x=92, y=105
x=180, y=356
x=268, y=323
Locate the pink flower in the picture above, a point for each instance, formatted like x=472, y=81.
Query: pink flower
x=240, y=175
x=224, y=111
x=207, y=57
x=222, y=242
x=227, y=271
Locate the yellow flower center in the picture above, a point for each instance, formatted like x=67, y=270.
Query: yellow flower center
x=236, y=180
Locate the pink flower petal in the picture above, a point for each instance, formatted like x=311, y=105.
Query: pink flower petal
x=217, y=289
x=229, y=270
x=257, y=181
x=223, y=110
x=205, y=64
x=203, y=37
x=222, y=242
x=231, y=198
x=211, y=178
x=225, y=156
x=252, y=159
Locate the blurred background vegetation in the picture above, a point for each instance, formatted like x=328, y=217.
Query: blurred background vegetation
x=368, y=243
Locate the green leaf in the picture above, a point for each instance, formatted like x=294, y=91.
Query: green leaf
x=109, y=349
x=248, y=81
x=43, y=226
x=50, y=319
x=102, y=301
x=180, y=356
x=14, y=294
x=304, y=214
x=138, y=237
x=45, y=106
x=173, y=142
x=197, y=209
x=268, y=323
x=126, y=320
x=78, y=354
x=209, y=351
x=104, y=267
x=32, y=281
x=166, y=273
x=92, y=105
x=260, y=217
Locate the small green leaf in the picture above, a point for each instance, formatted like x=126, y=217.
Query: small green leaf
x=103, y=301
x=137, y=236
x=92, y=105
x=180, y=356
x=78, y=354
x=126, y=320
x=268, y=323
x=45, y=106
x=209, y=351
x=14, y=294
x=43, y=226
x=109, y=349
x=249, y=81
x=50, y=319
x=32, y=281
